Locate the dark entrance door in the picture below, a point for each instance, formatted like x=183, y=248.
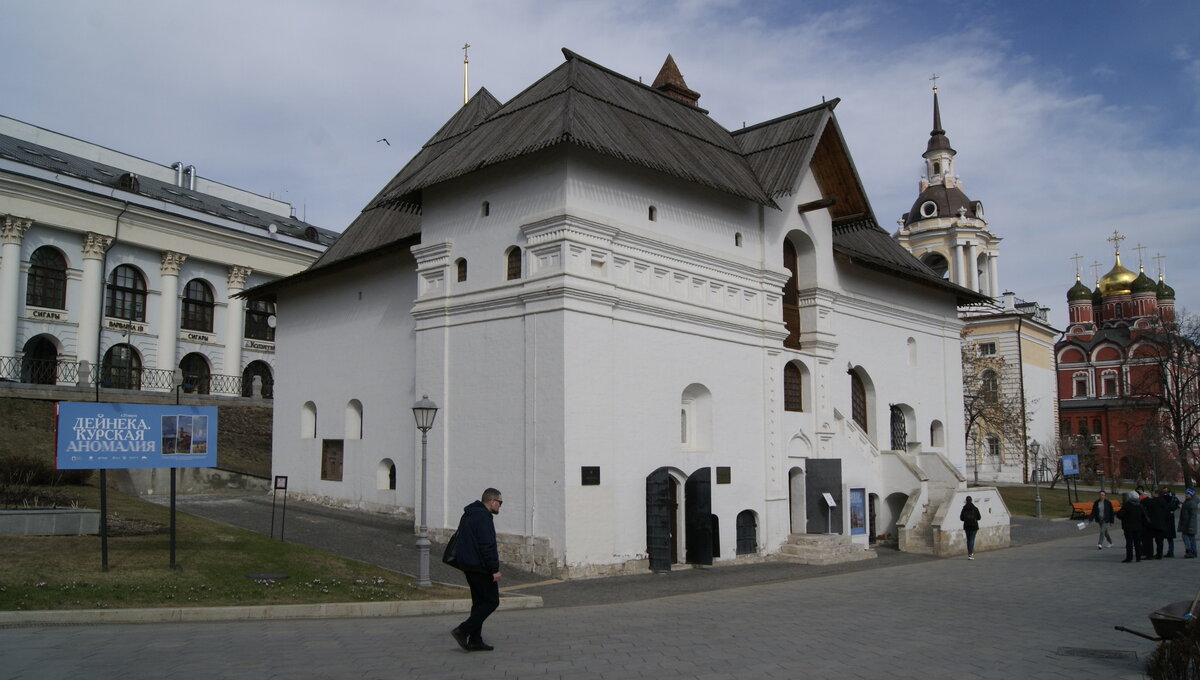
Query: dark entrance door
x=872, y=531
x=697, y=517
x=660, y=516
x=40, y=365
x=821, y=477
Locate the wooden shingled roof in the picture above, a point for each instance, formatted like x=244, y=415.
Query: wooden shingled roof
x=585, y=104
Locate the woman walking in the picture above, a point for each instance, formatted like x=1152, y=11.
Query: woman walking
x=970, y=518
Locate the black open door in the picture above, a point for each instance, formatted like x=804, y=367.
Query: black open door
x=697, y=517
x=823, y=476
x=659, y=511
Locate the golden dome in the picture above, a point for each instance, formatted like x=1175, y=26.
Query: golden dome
x=1118, y=280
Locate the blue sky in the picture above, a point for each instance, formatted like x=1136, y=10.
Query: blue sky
x=1071, y=119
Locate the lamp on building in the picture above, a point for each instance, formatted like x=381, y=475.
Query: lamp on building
x=424, y=412
x=1034, y=448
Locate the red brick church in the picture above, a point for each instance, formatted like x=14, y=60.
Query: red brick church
x=1107, y=370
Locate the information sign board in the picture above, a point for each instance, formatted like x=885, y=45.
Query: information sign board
x=103, y=435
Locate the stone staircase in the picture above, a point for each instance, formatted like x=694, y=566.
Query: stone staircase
x=820, y=549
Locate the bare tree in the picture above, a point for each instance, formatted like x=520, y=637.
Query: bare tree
x=1165, y=373
x=992, y=404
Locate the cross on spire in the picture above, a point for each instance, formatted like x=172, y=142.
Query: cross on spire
x=1077, y=257
x=1116, y=239
x=1096, y=270
x=1139, y=248
x=934, y=78
x=1159, y=258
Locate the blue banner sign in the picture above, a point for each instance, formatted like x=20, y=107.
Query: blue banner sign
x=96, y=435
x=1070, y=463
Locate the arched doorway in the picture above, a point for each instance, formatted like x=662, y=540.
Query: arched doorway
x=663, y=518
x=122, y=368
x=261, y=370
x=894, y=506
x=747, y=533
x=196, y=376
x=39, y=364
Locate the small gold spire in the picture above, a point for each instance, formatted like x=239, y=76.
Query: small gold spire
x=466, y=61
x=1077, y=257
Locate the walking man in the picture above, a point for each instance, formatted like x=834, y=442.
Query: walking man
x=481, y=563
x=1189, y=522
x=1133, y=523
x=1102, y=514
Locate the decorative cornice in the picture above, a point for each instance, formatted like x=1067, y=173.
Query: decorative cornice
x=171, y=262
x=14, y=228
x=94, y=245
x=237, y=276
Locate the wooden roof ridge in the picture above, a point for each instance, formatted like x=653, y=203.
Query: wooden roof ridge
x=576, y=56
x=831, y=105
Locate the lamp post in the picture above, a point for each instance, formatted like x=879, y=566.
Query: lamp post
x=1035, y=447
x=424, y=412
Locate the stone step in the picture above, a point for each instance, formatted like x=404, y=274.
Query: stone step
x=821, y=549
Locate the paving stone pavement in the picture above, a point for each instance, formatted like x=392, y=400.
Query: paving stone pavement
x=1044, y=609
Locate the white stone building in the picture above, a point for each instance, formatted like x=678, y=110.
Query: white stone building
x=663, y=341
x=1010, y=340
x=132, y=266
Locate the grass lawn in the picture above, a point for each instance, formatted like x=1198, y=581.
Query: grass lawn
x=212, y=559
x=1019, y=500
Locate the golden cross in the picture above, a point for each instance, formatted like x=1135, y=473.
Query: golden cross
x=1077, y=257
x=1139, y=248
x=1116, y=239
x=934, y=78
x=1096, y=270
x=1159, y=258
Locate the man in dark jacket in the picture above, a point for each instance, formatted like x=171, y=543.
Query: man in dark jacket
x=1133, y=523
x=476, y=552
x=1161, y=510
x=1102, y=514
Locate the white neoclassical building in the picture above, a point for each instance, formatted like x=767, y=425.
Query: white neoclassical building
x=665, y=342
x=129, y=269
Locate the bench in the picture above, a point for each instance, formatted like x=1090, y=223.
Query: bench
x=1082, y=509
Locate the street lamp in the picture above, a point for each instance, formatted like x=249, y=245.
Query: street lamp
x=1035, y=447
x=424, y=411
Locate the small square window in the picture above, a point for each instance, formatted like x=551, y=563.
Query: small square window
x=589, y=475
x=987, y=349
x=724, y=475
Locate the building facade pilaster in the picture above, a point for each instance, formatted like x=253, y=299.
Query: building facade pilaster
x=91, y=299
x=12, y=232
x=168, y=308
x=235, y=320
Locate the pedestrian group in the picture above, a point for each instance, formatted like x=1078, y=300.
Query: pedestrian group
x=1148, y=523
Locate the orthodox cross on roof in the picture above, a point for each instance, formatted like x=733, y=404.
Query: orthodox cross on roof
x=1096, y=270
x=1139, y=248
x=1116, y=239
x=1159, y=258
x=1077, y=257
x=934, y=78
x=465, y=47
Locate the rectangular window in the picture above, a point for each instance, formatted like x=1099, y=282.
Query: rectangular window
x=331, y=459
x=1110, y=385
x=1081, y=387
x=987, y=349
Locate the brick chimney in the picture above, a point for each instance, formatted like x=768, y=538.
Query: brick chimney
x=670, y=82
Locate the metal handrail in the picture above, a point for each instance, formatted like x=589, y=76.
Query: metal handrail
x=59, y=372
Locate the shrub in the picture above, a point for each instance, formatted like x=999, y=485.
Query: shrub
x=1177, y=659
x=34, y=471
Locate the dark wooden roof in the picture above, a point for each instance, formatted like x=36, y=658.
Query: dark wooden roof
x=586, y=104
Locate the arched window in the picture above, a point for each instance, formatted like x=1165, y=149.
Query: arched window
x=938, y=263
x=912, y=352
x=793, y=388
x=937, y=433
x=122, y=368
x=858, y=401
x=791, y=297
x=197, y=377
x=989, y=387
x=46, y=285
x=385, y=475
x=652, y=214
x=260, y=321
x=696, y=418
x=899, y=430
x=737, y=239
x=461, y=266
x=197, y=307
x=514, y=263
x=261, y=370
x=308, y=420
x=354, y=419
x=127, y=294
x=485, y=209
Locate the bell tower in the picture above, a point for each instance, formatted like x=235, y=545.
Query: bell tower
x=945, y=229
